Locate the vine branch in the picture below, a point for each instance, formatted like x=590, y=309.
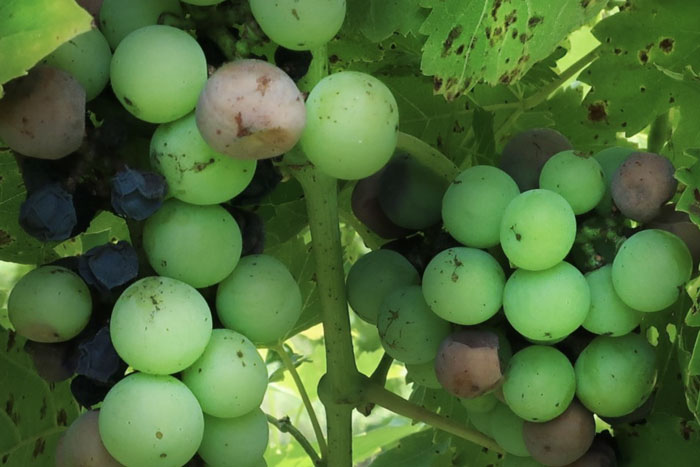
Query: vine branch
x=284, y=425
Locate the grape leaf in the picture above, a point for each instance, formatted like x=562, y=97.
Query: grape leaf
x=690, y=176
x=416, y=450
x=105, y=227
x=385, y=17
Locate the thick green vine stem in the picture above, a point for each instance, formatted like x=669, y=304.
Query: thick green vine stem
x=285, y=426
x=427, y=155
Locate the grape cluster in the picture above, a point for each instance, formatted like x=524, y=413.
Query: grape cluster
x=509, y=318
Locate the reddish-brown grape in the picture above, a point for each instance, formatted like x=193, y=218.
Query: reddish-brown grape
x=81, y=445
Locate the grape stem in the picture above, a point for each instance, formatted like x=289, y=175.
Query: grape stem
x=284, y=425
x=427, y=155
x=378, y=377
x=287, y=361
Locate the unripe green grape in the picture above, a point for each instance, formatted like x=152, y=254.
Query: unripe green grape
x=507, y=429
x=579, y=179
x=423, y=374
x=537, y=230
x=299, y=24
x=373, y=277
x=480, y=404
x=120, y=17
x=157, y=73
x=160, y=325
x=199, y=245
x=260, y=299
x=148, y=420
x=409, y=331
x=610, y=160
x=608, y=314
x=539, y=383
x=474, y=203
x=481, y=421
x=546, y=305
x=650, y=269
x=86, y=57
x=195, y=172
x=351, y=125
x=464, y=285
x=230, y=378
x=49, y=304
x=203, y=2
x=615, y=375
x=235, y=442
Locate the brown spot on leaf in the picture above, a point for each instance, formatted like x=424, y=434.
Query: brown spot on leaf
x=455, y=32
x=597, y=111
x=62, y=418
x=667, y=45
x=534, y=21
x=39, y=446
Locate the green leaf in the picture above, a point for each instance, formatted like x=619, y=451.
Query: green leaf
x=30, y=30
x=106, y=227
x=385, y=17
x=494, y=41
x=416, y=450
x=689, y=200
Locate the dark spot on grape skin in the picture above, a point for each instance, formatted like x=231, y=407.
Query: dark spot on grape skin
x=163, y=455
x=159, y=435
x=295, y=13
x=240, y=354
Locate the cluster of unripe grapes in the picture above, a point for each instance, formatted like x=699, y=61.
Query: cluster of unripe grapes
x=517, y=313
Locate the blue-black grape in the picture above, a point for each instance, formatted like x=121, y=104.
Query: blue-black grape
x=137, y=194
x=365, y=205
x=293, y=62
x=88, y=392
x=252, y=230
x=109, y=266
x=48, y=214
x=54, y=362
x=98, y=360
x=265, y=179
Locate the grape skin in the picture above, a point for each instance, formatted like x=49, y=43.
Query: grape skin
x=82, y=446
x=118, y=18
x=242, y=439
x=579, y=179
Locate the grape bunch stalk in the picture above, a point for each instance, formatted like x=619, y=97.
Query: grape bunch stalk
x=517, y=290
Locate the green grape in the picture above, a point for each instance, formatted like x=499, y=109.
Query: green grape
x=423, y=374
x=203, y=2
x=195, y=172
x=474, y=203
x=234, y=442
x=615, y=375
x=480, y=404
x=120, y=17
x=650, y=269
x=409, y=331
x=608, y=314
x=373, y=277
x=149, y=420
x=49, y=304
x=160, y=325
x=546, y=305
x=539, y=383
x=481, y=421
x=199, y=245
x=507, y=429
x=579, y=179
x=610, y=160
x=537, y=230
x=464, y=285
x=351, y=125
x=299, y=24
x=157, y=73
x=86, y=57
x=230, y=378
x=260, y=299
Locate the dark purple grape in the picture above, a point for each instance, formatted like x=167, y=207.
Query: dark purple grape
x=81, y=445
x=137, y=194
x=293, y=62
x=265, y=179
x=252, y=230
x=642, y=185
x=98, y=360
x=679, y=223
x=109, y=266
x=54, y=362
x=468, y=363
x=92, y=7
x=88, y=392
x=365, y=205
x=526, y=153
x=563, y=439
x=600, y=454
x=43, y=114
x=420, y=249
x=48, y=214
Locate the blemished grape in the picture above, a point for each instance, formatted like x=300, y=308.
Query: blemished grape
x=230, y=378
x=409, y=331
x=526, y=153
x=48, y=213
x=538, y=229
x=120, y=17
x=539, y=383
x=82, y=446
x=260, y=299
x=579, y=179
x=679, y=223
x=88, y=392
x=365, y=205
x=507, y=430
x=351, y=125
x=151, y=420
x=642, y=184
x=97, y=359
x=546, y=305
x=615, y=375
x=42, y=114
x=474, y=203
x=464, y=285
x=195, y=172
x=608, y=314
x=423, y=374
x=137, y=194
x=610, y=159
x=373, y=277
x=86, y=57
x=157, y=73
x=410, y=194
x=250, y=109
x=49, y=304
x=110, y=265
x=235, y=442
x=199, y=245
x=160, y=325
x=650, y=269
x=468, y=363
x=54, y=362
x=479, y=404
x=299, y=25
x=562, y=440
